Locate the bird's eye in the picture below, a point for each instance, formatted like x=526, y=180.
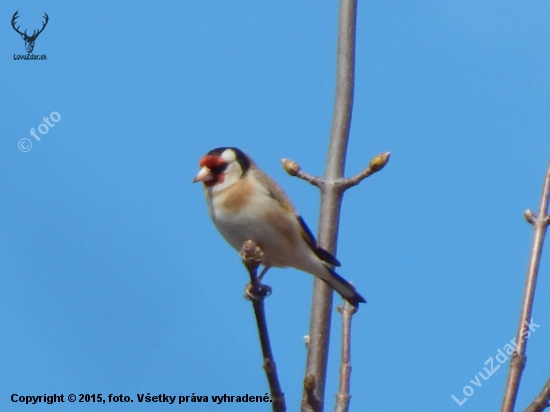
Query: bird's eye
x=219, y=169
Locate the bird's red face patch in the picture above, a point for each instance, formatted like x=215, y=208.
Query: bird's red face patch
x=216, y=164
x=211, y=162
x=219, y=178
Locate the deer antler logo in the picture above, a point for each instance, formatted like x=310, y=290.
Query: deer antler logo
x=29, y=40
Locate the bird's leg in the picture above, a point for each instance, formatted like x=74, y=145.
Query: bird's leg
x=265, y=290
x=256, y=289
x=252, y=257
x=264, y=271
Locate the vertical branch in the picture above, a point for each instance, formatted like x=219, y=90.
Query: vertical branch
x=343, y=397
x=331, y=198
x=517, y=363
x=256, y=293
x=332, y=185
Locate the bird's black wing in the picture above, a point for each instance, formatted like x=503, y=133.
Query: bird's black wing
x=310, y=239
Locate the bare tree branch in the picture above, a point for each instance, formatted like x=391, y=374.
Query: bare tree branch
x=256, y=292
x=310, y=400
x=542, y=401
x=530, y=216
x=294, y=169
x=343, y=397
x=331, y=196
x=333, y=186
x=376, y=164
x=540, y=225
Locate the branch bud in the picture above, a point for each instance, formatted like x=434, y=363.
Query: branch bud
x=250, y=252
x=378, y=162
x=291, y=167
x=530, y=216
x=309, y=382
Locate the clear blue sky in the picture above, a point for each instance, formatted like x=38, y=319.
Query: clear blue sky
x=114, y=280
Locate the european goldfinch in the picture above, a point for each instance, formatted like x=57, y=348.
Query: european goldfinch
x=246, y=204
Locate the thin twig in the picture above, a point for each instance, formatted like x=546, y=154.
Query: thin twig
x=343, y=396
x=375, y=165
x=294, y=169
x=542, y=401
x=256, y=292
x=540, y=225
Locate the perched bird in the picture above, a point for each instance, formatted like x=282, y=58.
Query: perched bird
x=246, y=204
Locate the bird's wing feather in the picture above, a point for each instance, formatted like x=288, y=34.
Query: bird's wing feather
x=321, y=253
x=276, y=192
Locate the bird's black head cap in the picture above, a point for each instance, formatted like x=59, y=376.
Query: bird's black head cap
x=242, y=158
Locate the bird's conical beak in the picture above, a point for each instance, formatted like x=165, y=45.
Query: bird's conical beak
x=204, y=175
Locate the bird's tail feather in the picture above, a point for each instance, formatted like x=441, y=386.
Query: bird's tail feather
x=344, y=288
